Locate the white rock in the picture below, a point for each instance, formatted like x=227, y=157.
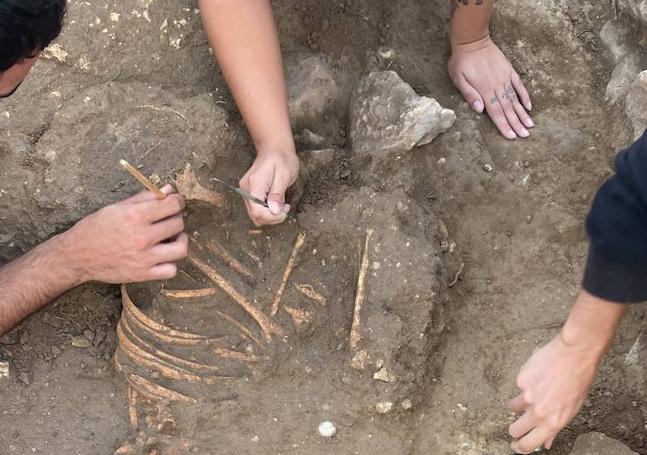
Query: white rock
x=623, y=75
x=327, y=429
x=388, y=118
x=384, y=375
x=638, y=8
x=384, y=407
x=599, y=444
x=4, y=370
x=637, y=104
x=614, y=37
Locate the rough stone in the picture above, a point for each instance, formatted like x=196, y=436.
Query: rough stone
x=636, y=107
x=614, y=37
x=623, y=75
x=4, y=370
x=599, y=444
x=81, y=342
x=388, y=118
x=312, y=88
x=637, y=8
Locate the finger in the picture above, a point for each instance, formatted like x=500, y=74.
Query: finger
x=170, y=252
x=153, y=211
x=495, y=111
x=166, y=229
x=517, y=83
x=548, y=444
x=147, y=195
x=262, y=216
x=532, y=441
x=521, y=113
x=162, y=272
x=508, y=110
x=518, y=404
x=470, y=94
x=276, y=194
x=522, y=425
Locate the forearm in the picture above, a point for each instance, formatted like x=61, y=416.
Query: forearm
x=244, y=38
x=470, y=21
x=592, y=323
x=34, y=280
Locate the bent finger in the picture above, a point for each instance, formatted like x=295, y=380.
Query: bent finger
x=154, y=211
x=166, y=229
x=532, y=441
x=171, y=252
x=162, y=272
x=147, y=195
x=518, y=404
x=523, y=425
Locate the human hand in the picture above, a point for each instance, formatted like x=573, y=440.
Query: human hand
x=138, y=239
x=554, y=384
x=271, y=174
x=488, y=81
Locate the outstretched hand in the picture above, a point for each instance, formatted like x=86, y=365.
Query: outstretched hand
x=488, y=82
x=270, y=176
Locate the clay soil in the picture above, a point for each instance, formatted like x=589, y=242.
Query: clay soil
x=503, y=222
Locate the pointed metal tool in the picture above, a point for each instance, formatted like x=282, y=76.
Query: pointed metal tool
x=244, y=194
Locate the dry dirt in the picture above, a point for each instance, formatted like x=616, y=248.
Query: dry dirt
x=507, y=215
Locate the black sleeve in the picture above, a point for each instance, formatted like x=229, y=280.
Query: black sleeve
x=616, y=268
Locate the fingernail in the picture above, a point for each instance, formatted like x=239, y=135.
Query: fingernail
x=529, y=106
x=524, y=133
x=286, y=208
x=274, y=207
x=530, y=123
x=478, y=106
x=511, y=134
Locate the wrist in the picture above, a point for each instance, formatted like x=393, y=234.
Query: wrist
x=281, y=148
x=69, y=255
x=591, y=324
x=470, y=44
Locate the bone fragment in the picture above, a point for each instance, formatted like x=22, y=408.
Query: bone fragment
x=225, y=255
x=189, y=187
x=162, y=393
x=309, y=292
x=300, y=318
x=301, y=238
x=132, y=408
x=360, y=296
x=188, y=294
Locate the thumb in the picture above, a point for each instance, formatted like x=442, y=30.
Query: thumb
x=470, y=94
x=276, y=196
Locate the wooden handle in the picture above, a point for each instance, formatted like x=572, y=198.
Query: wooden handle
x=150, y=186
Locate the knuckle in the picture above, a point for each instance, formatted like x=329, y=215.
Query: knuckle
x=496, y=110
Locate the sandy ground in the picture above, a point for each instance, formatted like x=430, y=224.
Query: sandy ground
x=507, y=215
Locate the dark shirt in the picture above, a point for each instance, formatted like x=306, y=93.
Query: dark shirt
x=616, y=267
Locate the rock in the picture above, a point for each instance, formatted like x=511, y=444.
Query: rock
x=314, y=160
x=81, y=342
x=623, y=75
x=384, y=407
x=384, y=376
x=406, y=404
x=4, y=370
x=388, y=118
x=311, y=140
x=614, y=37
x=89, y=334
x=599, y=444
x=312, y=88
x=637, y=8
x=636, y=107
x=327, y=429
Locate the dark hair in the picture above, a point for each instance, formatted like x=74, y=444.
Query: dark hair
x=26, y=27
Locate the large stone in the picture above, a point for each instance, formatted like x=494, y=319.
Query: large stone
x=638, y=8
x=388, y=118
x=637, y=104
x=614, y=37
x=623, y=75
x=599, y=444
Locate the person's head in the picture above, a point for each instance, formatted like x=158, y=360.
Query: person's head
x=26, y=28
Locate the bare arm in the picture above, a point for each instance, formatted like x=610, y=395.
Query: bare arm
x=122, y=243
x=482, y=73
x=556, y=380
x=243, y=36
x=37, y=278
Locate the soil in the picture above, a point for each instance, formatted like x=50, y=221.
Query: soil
x=495, y=233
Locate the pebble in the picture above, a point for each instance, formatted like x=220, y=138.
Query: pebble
x=384, y=376
x=81, y=342
x=384, y=407
x=4, y=370
x=327, y=429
